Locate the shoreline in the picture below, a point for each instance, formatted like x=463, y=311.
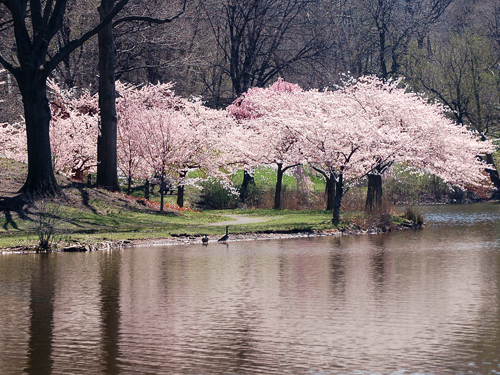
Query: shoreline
x=192, y=240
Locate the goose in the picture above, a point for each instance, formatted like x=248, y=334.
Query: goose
x=225, y=237
x=204, y=240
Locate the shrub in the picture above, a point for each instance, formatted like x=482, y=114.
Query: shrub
x=413, y=217
x=216, y=196
x=47, y=218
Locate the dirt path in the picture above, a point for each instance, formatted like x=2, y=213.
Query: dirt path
x=239, y=219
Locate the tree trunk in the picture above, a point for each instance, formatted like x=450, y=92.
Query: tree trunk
x=330, y=191
x=248, y=179
x=374, y=194
x=129, y=184
x=107, y=175
x=277, y=193
x=162, y=191
x=180, y=192
x=339, y=192
x=146, y=190
x=40, y=180
x=180, y=196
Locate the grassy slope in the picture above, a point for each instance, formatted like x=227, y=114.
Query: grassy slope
x=93, y=215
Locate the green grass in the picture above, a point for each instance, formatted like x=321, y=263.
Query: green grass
x=114, y=225
x=93, y=215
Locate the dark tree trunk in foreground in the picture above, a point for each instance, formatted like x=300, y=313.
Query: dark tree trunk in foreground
x=339, y=192
x=40, y=180
x=34, y=29
x=374, y=194
x=107, y=174
x=277, y=193
x=330, y=191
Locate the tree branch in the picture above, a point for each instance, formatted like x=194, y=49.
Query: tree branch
x=151, y=20
x=9, y=66
x=71, y=46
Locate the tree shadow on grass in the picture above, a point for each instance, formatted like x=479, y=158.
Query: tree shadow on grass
x=81, y=187
x=13, y=204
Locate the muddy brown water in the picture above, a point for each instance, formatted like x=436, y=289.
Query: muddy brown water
x=420, y=301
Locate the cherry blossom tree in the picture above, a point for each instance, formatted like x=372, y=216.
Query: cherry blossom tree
x=265, y=138
x=349, y=132
x=73, y=132
x=421, y=124
x=13, y=142
x=172, y=135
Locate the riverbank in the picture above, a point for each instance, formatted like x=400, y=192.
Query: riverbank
x=88, y=218
x=184, y=239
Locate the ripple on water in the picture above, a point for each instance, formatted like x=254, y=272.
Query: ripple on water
x=407, y=302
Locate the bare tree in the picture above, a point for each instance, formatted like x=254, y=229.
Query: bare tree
x=260, y=39
x=390, y=25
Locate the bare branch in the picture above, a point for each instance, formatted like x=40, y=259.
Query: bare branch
x=71, y=46
x=151, y=20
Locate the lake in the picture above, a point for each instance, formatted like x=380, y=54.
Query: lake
x=416, y=301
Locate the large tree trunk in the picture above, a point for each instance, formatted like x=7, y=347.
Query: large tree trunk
x=330, y=191
x=374, y=194
x=277, y=193
x=107, y=175
x=40, y=180
x=339, y=192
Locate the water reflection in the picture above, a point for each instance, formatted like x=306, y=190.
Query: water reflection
x=110, y=310
x=397, y=303
x=42, y=290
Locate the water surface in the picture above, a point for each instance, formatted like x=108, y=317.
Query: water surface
x=423, y=301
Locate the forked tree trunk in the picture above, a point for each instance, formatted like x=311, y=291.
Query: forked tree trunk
x=40, y=180
x=339, y=192
x=374, y=194
x=107, y=174
x=277, y=193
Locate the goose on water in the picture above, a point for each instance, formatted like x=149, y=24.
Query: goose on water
x=204, y=240
x=225, y=237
